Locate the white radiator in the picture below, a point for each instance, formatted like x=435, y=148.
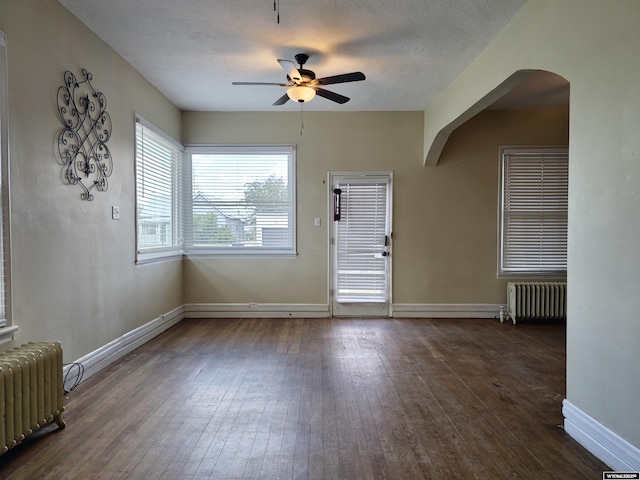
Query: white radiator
x=536, y=300
x=31, y=391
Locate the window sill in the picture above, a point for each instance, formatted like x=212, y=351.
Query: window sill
x=158, y=256
x=6, y=333
x=240, y=254
x=532, y=276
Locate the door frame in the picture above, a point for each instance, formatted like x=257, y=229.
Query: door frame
x=331, y=175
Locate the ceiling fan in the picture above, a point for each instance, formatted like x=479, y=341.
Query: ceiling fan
x=303, y=85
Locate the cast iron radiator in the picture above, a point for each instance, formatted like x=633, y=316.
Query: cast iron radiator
x=537, y=300
x=31, y=390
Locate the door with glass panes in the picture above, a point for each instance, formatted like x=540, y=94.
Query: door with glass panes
x=360, y=244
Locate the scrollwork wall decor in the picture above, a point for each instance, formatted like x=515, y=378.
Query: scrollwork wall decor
x=82, y=142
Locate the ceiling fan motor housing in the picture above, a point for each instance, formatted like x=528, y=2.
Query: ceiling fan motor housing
x=307, y=75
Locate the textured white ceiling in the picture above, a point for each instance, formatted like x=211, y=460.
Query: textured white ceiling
x=192, y=50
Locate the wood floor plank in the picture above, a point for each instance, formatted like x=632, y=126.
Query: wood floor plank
x=320, y=399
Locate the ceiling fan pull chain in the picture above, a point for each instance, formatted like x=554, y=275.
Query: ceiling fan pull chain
x=301, y=118
x=276, y=8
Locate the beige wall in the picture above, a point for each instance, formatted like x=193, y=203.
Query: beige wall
x=457, y=231
x=347, y=141
x=444, y=218
x=593, y=45
x=74, y=277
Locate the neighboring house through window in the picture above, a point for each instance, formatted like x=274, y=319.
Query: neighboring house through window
x=533, y=212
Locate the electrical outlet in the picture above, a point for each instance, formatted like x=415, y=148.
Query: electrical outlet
x=253, y=306
x=115, y=212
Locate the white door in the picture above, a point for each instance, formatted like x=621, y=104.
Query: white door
x=360, y=244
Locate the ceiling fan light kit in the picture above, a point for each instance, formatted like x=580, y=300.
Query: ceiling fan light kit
x=301, y=94
x=303, y=85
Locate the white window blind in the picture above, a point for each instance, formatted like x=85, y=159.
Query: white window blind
x=158, y=193
x=5, y=310
x=360, y=237
x=534, y=206
x=242, y=200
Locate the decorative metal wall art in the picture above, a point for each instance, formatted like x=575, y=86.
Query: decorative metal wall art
x=82, y=142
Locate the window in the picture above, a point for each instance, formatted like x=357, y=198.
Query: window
x=241, y=200
x=158, y=193
x=6, y=329
x=533, y=212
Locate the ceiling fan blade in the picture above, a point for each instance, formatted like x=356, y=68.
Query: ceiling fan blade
x=334, y=97
x=262, y=83
x=344, y=78
x=282, y=100
x=290, y=69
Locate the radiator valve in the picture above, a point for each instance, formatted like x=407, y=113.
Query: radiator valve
x=503, y=313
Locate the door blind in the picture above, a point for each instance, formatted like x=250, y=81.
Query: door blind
x=360, y=242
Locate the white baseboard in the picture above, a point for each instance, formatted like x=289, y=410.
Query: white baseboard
x=256, y=310
x=102, y=357
x=446, y=310
x=608, y=446
x=291, y=310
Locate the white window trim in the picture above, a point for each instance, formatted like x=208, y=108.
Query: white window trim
x=7, y=329
x=151, y=255
x=207, y=252
x=534, y=150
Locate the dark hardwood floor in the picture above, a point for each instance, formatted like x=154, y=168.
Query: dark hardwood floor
x=320, y=399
